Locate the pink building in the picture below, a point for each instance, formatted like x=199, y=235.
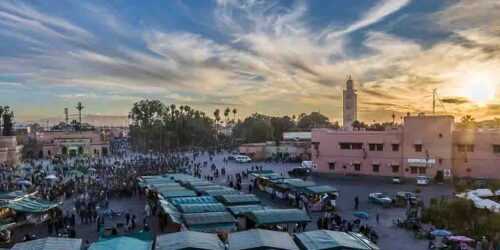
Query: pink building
x=423, y=145
x=72, y=143
x=10, y=152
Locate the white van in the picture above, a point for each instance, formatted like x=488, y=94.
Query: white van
x=308, y=164
x=423, y=180
x=242, y=158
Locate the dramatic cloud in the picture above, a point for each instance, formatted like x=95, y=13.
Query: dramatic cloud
x=264, y=56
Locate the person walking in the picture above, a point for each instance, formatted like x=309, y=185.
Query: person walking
x=356, y=203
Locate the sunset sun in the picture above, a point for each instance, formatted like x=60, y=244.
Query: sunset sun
x=479, y=88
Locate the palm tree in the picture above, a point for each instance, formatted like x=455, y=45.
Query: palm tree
x=217, y=118
x=234, y=114
x=226, y=114
x=79, y=107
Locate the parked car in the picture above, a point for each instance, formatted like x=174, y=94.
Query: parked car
x=242, y=159
x=397, y=180
x=423, y=180
x=401, y=199
x=300, y=172
x=380, y=199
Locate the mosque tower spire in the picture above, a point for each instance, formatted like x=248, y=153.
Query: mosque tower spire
x=350, y=103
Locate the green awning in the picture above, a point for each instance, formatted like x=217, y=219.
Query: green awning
x=333, y=240
x=261, y=239
x=239, y=199
x=50, y=243
x=121, y=243
x=193, y=200
x=297, y=183
x=11, y=195
x=219, y=192
x=201, y=208
x=210, y=222
x=189, y=240
x=278, y=216
x=238, y=210
x=200, y=189
x=319, y=189
x=178, y=193
x=29, y=205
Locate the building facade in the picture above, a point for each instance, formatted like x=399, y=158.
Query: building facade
x=10, y=151
x=350, y=101
x=421, y=146
x=72, y=143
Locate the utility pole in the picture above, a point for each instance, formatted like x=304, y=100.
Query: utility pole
x=434, y=93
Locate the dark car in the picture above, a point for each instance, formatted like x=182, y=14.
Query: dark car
x=300, y=172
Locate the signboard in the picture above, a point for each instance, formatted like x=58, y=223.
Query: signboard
x=421, y=162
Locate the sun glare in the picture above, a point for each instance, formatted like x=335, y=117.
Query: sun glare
x=479, y=88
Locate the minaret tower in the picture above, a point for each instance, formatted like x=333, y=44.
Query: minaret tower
x=350, y=99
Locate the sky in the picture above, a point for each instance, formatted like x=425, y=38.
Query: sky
x=272, y=57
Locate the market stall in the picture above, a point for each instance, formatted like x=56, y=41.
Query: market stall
x=210, y=222
x=276, y=218
x=191, y=240
x=50, y=243
x=259, y=239
x=239, y=199
x=333, y=240
x=121, y=243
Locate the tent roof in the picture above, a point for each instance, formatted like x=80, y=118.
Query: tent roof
x=11, y=195
x=219, y=192
x=208, y=218
x=189, y=240
x=239, y=199
x=171, y=211
x=178, y=193
x=50, y=243
x=238, y=210
x=193, y=200
x=333, y=240
x=208, y=187
x=261, y=239
x=278, y=216
x=298, y=183
x=319, y=189
x=201, y=208
x=29, y=205
x=121, y=243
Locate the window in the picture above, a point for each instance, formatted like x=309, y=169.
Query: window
x=376, y=147
x=395, y=147
x=496, y=149
x=331, y=165
x=421, y=170
x=357, y=167
x=395, y=168
x=418, y=147
x=351, y=145
x=413, y=170
x=465, y=147
x=376, y=168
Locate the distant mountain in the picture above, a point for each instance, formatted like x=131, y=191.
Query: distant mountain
x=95, y=120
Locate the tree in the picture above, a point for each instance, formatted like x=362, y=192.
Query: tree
x=279, y=126
x=226, y=114
x=7, y=121
x=467, y=122
x=234, y=114
x=255, y=128
x=79, y=107
x=313, y=120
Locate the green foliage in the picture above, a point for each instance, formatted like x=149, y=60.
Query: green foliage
x=462, y=218
x=155, y=126
x=255, y=128
x=313, y=120
x=7, y=121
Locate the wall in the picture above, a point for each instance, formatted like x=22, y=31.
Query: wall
x=10, y=152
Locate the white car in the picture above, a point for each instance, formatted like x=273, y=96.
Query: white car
x=423, y=180
x=242, y=159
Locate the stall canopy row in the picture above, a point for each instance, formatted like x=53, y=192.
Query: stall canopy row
x=278, y=216
x=260, y=239
x=29, y=204
x=121, y=243
x=50, y=243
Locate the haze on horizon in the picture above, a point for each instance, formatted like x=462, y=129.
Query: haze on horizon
x=271, y=57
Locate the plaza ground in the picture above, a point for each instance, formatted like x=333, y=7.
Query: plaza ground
x=390, y=237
